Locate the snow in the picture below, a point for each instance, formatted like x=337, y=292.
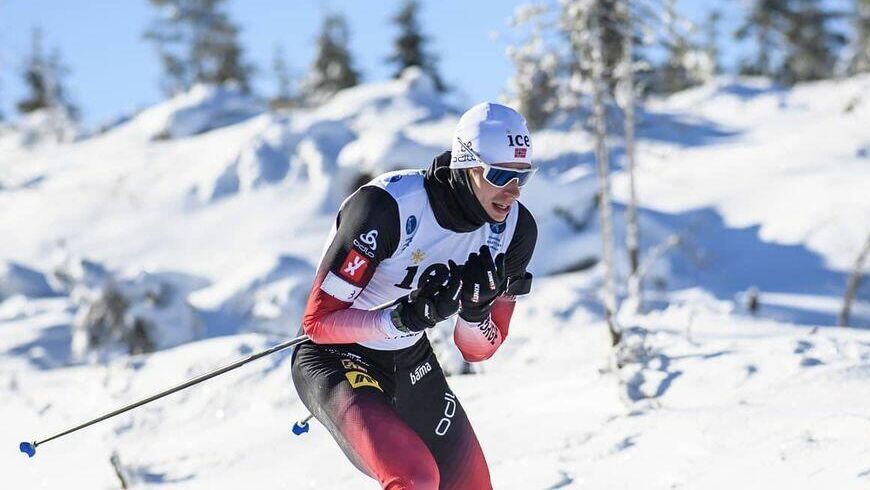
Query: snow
x=228, y=206
x=18, y=279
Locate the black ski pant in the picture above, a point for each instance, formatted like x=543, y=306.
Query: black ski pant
x=393, y=415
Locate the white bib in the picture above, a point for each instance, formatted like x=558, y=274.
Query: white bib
x=423, y=244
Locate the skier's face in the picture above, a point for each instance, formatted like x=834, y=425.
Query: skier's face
x=497, y=201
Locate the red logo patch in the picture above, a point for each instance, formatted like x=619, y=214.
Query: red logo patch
x=354, y=266
x=519, y=153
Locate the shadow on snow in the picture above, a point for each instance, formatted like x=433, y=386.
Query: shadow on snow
x=727, y=261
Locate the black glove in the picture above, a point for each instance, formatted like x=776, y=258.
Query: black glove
x=483, y=280
x=435, y=299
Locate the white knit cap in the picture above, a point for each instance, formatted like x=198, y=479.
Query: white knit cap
x=496, y=132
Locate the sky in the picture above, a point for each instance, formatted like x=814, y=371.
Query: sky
x=113, y=70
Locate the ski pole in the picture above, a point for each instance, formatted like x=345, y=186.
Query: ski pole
x=29, y=448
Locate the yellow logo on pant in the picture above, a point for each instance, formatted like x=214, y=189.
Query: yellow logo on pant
x=358, y=379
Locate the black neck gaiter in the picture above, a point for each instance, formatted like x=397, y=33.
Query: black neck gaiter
x=452, y=198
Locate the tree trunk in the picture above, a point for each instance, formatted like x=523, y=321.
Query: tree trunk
x=632, y=239
x=603, y=165
x=854, y=282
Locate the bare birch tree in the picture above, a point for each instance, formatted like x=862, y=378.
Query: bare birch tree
x=627, y=93
x=854, y=282
x=603, y=167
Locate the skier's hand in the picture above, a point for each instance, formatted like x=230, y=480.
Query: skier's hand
x=436, y=299
x=483, y=280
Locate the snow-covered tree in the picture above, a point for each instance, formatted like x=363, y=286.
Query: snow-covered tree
x=409, y=46
x=765, y=23
x=794, y=40
x=811, y=44
x=333, y=66
x=44, y=79
x=35, y=77
x=284, y=96
x=577, y=19
x=685, y=64
x=711, y=39
x=533, y=87
x=859, y=57
x=598, y=65
x=626, y=96
x=197, y=43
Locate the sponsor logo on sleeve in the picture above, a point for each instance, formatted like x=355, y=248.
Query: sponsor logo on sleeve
x=394, y=178
x=488, y=330
x=358, y=379
x=354, y=266
x=367, y=243
x=519, y=153
x=370, y=239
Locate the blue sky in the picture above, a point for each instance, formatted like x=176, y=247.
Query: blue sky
x=113, y=69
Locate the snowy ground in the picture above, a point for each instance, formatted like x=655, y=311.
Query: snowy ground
x=767, y=188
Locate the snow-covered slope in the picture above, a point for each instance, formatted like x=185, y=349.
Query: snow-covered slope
x=765, y=188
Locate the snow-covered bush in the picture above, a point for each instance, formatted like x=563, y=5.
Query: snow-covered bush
x=47, y=126
x=133, y=314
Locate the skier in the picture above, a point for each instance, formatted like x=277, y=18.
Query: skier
x=449, y=239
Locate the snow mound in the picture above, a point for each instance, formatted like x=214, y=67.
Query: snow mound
x=360, y=132
x=268, y=299
x=200, y=109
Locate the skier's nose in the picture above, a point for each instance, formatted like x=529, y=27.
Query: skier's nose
x=512, y=189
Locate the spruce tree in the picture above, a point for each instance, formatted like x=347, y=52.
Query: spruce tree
x=711, y=45
x=197, y=43
x=766, y=23
x=284, y=96
x=333, y=67
x=35, y=77
x=859, y=59
x=44, y=78
x=409, y=47
x=811, y=45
